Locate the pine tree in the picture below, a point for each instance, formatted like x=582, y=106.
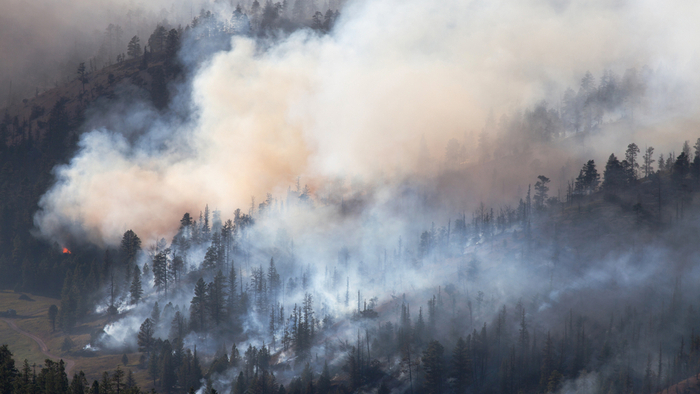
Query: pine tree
x=198, y=309
x=134, y=47
x=130, y=381
x=136, y=291
x=145, y=336
x=632, y=163
x=161, y=272
x=130, y=246
x=167, y=368
x=541, y=190
x=118, y=379
x=434, y=367
x=273, y=280
x=153, y=367
x=235, y=358
x=324, y=381
x=614, y=175
x=240, y=387
x=547, y=364
x=217, y=298
x=461, y=367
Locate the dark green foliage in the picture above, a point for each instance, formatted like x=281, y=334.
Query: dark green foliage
x=434, y=367
x=118, y=380
x=145, y=336
x=614, y=178
x=461, y=367
x=8, y=372
x=541, y=190
x=53, y=378
x=588, y=179
x=134, y=47
x=198, y=306
x=129, y=248
x=217, y=299
x=158, y=38
x=324, y=381
x=136, y=290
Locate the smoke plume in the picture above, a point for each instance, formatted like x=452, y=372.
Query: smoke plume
x=356, y=103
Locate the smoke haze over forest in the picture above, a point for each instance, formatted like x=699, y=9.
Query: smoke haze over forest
x=400, y=152
x=356, y=103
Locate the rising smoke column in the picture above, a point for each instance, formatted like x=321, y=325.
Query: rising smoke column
x=354, y=103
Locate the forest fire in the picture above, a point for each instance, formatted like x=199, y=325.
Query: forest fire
x=66, y=251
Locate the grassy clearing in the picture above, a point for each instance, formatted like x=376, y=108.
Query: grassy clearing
x=32, y=317
x=22, y=347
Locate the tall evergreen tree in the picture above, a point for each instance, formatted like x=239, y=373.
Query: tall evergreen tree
x=461, y=367
x=198, y=306
x=135, y=290
x=145, y=336
x=434, y=367
x=130, y=246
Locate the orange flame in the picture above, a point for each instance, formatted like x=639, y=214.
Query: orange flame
x=66, y=251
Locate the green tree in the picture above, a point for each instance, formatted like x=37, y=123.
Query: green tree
x=588, y=179
x=157, y=39
x=145, y=336
x=130, y=382
x=217, y=298
x=172, y=46
x=434, y=367
x=161, y=272
x=167, y=368
x=614, y=176
x=632, y=162
x=541, y=190
x=648, y=161
x=118, y=379
x=8, y=372
x=133, y=49
x=153, y=367
x=240, y=387
x=324, y=381
x=198, y=306
x=461, y=366
x=273, y=280
x=130, y=246
x=136, y=290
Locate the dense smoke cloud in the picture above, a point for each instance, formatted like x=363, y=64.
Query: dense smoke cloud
x=355, y=103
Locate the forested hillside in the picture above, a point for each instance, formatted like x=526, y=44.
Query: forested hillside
x=280, y=198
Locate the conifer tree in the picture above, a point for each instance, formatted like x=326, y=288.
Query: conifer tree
x=145, y=336
x=324, y=381
x=461, y=366
x=198, y=309
x=136, y=290
x=434, y=367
